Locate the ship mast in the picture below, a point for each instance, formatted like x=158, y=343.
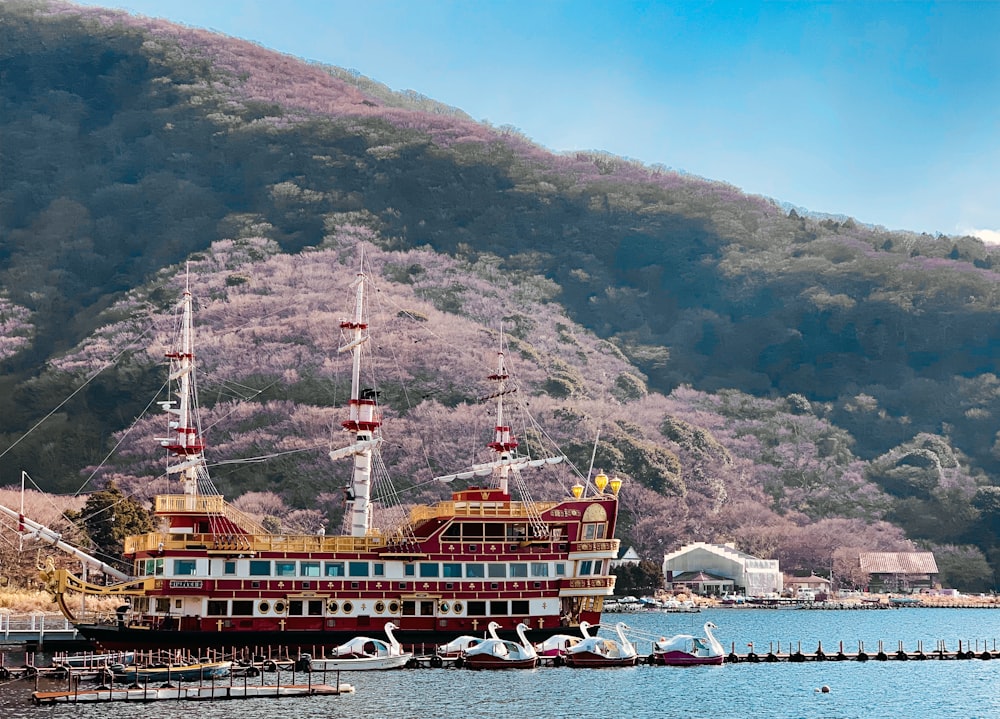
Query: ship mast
x=185, y=440
x=504, y=443
x=363, y=420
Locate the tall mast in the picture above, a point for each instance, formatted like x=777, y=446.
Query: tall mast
x=504, y=443
x=184, y=439
x=363, y=419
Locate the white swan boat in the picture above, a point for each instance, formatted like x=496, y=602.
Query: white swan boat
x=687, y=649
x=497, y=653
x=595, y=651
x=363, y=653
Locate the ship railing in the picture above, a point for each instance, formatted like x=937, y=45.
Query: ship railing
x=155, y=542
x=595, y=546
x=514, y=510
x=207, y=504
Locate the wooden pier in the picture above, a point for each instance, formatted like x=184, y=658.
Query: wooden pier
x=941, y=652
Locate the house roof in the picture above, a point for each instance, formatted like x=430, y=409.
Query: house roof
x=699, y=577
x=898, y=563
x=812, y=579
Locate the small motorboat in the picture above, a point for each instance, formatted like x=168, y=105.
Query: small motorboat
x=363, y=653
x=597, y=651
x=193, y=671
x=687, y=649
x=496, y=653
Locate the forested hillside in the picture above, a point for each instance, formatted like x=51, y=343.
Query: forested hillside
x=803, y=387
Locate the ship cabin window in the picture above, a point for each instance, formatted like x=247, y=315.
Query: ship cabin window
x=309, y=569
x=150, y=566
x=229, y=567
x=451, y=570
x=585, y=568
x=539, y=569
x=421, y=608
x=218, y=608
x=594, y=530
x=284, y=569
x=475, y=571
x=497, y=570
x=409, y=570
x=519, y=608
x=516, y=532
x=301, y=607
x=295, y=607
x=498, y=608
x=260, y=568
x=494, y=531
x=358, y=569
x=162, y=605
x=560, y=569
x=430, y=569
x=518, y=569
x=333, y=569
x=378, y=569
x=476, y=609
x=242, y=608
x=184, y=567
x=452, y=531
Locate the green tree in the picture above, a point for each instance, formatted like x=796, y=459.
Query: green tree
x=108, y=517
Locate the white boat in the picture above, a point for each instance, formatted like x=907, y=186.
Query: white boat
x=595, y=651
x=558, y=644
x=363, y=653
x=687, y=649
x=497, y=653
x=458, y=645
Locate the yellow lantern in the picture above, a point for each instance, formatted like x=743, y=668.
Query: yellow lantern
x=601, y=481
x=616, y=484
x=577, y=490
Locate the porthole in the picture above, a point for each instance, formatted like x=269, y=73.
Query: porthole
x=332, y=607
x=393, y=607
x=264, y=607
x=279, y=607
x=443, y=607
x=348, y=607
x=380, y=607
x=458, y=607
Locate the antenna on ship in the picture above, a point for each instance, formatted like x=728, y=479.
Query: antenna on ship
x=364, y=417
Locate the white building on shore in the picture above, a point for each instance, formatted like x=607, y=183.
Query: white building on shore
x=752, y=576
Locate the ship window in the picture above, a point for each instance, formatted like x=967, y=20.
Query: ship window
x=159, y=568
x=452, y=531
x=378, y=569
x=284, y=569
x=458, y=607
x=315, y=607
x=560, y=569
x=519, y=569
x=183, y=567
x=358, y=569
x=497, y=570
x=260, y=568
x=539, y=569
x=519, y=608
x=451, y=570
x=498, y=608
x=409, y=570
x=264, y=607
x=229, y=567
x=494, y=531
x=295, y=608
x=475, y=571
x=379, y=607
x=242, y=607
x=309, y=569
x=217, y=608
x=409, y=608
x=593, y=531
x=427, y=608
x=476, y=609
x=517, y=532
x=472, y=532
x=348, y=607
x=333, y=569
x=162, y=605
x=584, y=568
x=430, y=569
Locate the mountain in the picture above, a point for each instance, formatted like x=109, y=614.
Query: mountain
x=798, y=385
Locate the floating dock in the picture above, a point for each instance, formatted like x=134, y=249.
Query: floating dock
x=198, y=693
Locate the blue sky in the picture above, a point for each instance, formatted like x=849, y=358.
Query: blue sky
x=885, y=111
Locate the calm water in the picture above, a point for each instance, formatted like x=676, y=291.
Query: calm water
x=953, y=689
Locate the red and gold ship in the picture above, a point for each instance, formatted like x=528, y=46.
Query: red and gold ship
x=211, y=576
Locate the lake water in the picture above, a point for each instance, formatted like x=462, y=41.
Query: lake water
x=961, y=689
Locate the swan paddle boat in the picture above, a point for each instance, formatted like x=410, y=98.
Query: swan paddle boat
x=687, y=649
x=363, y=653
x=597, y=651
x=496, y=653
